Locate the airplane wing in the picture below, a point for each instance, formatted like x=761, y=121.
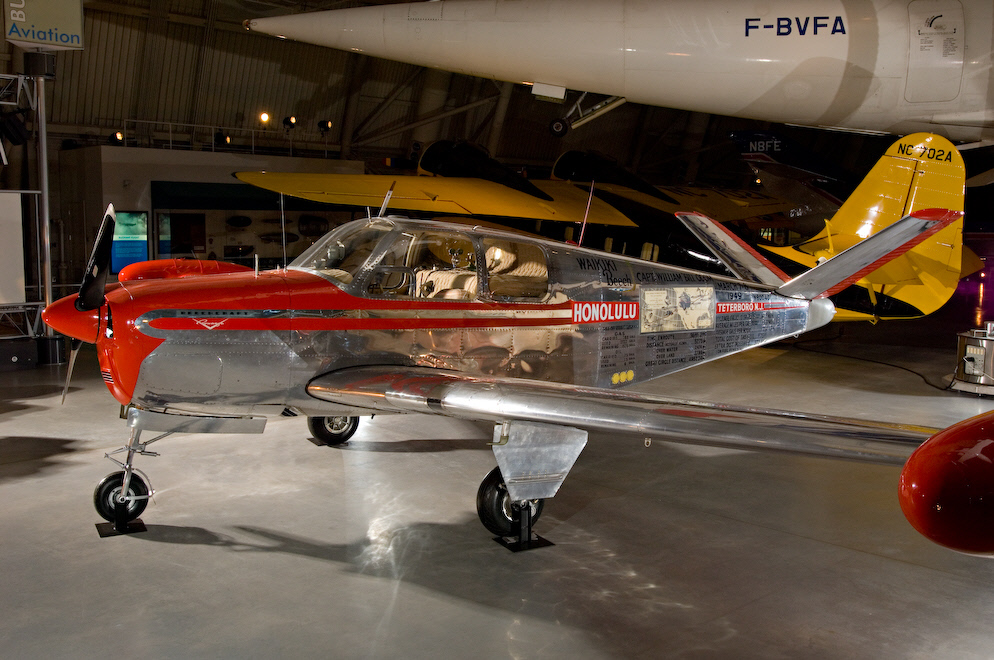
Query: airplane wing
x=612, y=204
x=413, y=390
x=441, y=195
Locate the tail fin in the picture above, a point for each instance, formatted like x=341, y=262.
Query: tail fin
x=920, y=171
x=737, y=255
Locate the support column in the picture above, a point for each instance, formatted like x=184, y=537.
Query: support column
x=499, y=115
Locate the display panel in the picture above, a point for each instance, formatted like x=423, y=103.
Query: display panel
x=130, y=239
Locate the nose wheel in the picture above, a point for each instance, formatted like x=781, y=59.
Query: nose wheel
x=119, y=499
x=107, y=497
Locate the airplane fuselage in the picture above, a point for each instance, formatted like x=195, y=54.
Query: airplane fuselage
x=880, y=65
x=481, y=303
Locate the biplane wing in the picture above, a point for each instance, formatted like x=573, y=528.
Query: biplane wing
x=563, y=201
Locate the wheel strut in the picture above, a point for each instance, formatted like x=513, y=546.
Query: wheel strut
x=522, y=538
x=121, y=504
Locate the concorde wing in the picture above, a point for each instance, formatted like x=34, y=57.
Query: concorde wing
x=413, y=390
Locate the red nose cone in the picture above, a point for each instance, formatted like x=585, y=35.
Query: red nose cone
x=62, y=316
x=947, y=486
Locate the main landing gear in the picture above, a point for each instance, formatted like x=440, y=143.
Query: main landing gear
x=577, y=116
x=510, y=521
x=533, y=459
x=333, y=430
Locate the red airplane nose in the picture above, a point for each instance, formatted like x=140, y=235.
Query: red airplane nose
x=62, y=316
x=947, y=486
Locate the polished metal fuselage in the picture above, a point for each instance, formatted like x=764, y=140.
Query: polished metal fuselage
x=581, y=317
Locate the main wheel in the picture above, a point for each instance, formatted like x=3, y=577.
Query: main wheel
x=493, y=505
x=560, y=127
x=333, y=430
x=107, y=491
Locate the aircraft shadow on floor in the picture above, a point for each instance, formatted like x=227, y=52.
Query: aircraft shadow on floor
x=26, y=456
x=447, y=558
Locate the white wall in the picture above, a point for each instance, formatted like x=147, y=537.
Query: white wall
x=127, y=172
x=12, y=263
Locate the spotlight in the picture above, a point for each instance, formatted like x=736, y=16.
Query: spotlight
x=324, y=126
x=289, y=122
x=221, y=139
x=116, y=138
x=264, y=118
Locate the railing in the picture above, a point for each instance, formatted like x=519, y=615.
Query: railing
x=203, y=137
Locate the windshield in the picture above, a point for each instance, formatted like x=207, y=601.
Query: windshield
x=342, y=252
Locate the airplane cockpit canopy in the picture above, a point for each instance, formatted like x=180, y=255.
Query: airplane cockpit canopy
x=411, y=259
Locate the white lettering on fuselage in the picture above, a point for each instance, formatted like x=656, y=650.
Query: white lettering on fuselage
x=784, y=26
x=599, y=312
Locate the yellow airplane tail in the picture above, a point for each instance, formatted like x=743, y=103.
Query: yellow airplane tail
x=920, y=171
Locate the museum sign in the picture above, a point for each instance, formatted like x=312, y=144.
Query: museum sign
x=44, y=24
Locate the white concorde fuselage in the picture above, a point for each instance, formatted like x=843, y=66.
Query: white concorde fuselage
x=895, y=66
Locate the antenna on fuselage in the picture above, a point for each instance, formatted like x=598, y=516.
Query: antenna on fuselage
x=386, y=200
x=583, y=227
x=283, y=229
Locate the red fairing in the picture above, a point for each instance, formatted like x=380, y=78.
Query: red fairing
x=947, y=486
x=170, y=268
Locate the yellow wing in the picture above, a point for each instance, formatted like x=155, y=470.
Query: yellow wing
x=478, y=197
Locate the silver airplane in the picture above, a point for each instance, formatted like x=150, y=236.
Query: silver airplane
x=388, y=315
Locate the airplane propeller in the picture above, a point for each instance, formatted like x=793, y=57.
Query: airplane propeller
x=91, y=290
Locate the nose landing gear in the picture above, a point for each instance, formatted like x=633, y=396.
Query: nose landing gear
x=122, y=496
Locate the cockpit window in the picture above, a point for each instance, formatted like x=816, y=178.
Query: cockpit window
x=340, y=254
x=516, y=270
x=396, y=260
x=445, y=266
x=428, y=264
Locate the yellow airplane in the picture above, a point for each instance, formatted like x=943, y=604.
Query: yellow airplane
x=619, y=213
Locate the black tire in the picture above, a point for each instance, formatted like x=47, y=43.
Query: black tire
x=106, y=492
x=333, y=430
x=559, y=127
x=493, y=505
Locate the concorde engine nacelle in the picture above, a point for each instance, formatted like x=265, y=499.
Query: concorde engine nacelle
x=947, y=486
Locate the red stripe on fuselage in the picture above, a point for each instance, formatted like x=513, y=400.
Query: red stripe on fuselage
x=316, y=324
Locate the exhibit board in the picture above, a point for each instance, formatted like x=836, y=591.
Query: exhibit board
x=12, y=236
x=45, y=24
x=130, y=243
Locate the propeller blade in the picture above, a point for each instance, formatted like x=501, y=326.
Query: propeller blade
x=91, y=291
x=74, y=351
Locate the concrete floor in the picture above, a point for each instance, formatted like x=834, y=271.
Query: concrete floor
x=272, y=546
